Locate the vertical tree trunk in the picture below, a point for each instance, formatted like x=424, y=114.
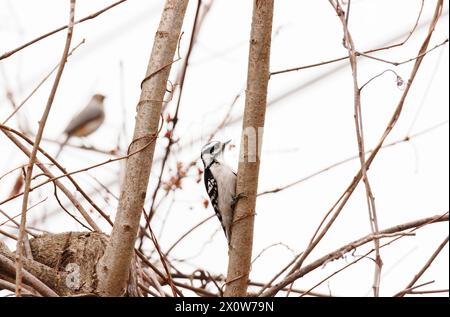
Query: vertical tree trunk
x=247, y=180
x=113, y=267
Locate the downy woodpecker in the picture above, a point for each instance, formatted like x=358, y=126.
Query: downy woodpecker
x=220, y=183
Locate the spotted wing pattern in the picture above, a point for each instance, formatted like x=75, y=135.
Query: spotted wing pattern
x=213, y=193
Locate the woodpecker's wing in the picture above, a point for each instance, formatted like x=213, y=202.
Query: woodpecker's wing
x=213, y=193
x=90, y=113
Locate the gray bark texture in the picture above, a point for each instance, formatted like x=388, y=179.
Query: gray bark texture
x=247, y=178
x=113, y=267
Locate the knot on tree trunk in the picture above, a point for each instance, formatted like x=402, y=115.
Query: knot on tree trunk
x=67, y=262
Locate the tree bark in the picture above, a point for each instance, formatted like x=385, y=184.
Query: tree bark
x=113, y=267
x=247, y=180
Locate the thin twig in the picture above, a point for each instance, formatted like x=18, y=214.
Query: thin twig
x=361, y=147
x=39, y=85
x=187, y=233
x=379, y=75
x=227, y=116
x=395, y=231
x=270, y=247
x=423, y=269
x=9, y=235
x=407, y=138
x=46, y=171
x=32, y=159
x=412, y=288
x=430, y=83
x=407, y=60
x=162, y=258
x=195, y=27
x=365, y=52
x=15, y=222
x=429, y=291
x=8, y=131
x=343, y=199
x=113, y=151
x=340, y=252
x=89, y=17
x=155, y=269
x=29, y=208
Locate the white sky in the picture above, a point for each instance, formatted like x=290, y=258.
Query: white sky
x=304, y=132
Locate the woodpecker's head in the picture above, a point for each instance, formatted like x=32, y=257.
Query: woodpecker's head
x=213, y=151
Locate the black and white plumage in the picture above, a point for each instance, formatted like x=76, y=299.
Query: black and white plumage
x=220, y=183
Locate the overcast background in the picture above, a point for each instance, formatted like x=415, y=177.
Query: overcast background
x=309, y=126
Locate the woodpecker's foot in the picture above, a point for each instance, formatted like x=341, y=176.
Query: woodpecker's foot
x=236, y=198
x=230, y=247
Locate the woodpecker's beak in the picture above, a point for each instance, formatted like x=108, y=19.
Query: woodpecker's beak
x=225, y=144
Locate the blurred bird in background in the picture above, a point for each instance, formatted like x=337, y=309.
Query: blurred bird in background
x=85, y=122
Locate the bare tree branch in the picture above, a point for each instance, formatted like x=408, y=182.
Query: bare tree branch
x=7, y=265
x=416, y=224
x=114, y=265
x=89, y=17
x=343, y=199
x=240, y=251
x=63, y=188
x=423, y=269
x=348, y=40
x=38, y=86
x=32, y=158
x=410, y=33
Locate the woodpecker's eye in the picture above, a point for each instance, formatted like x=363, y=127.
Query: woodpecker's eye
x=212, y=150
